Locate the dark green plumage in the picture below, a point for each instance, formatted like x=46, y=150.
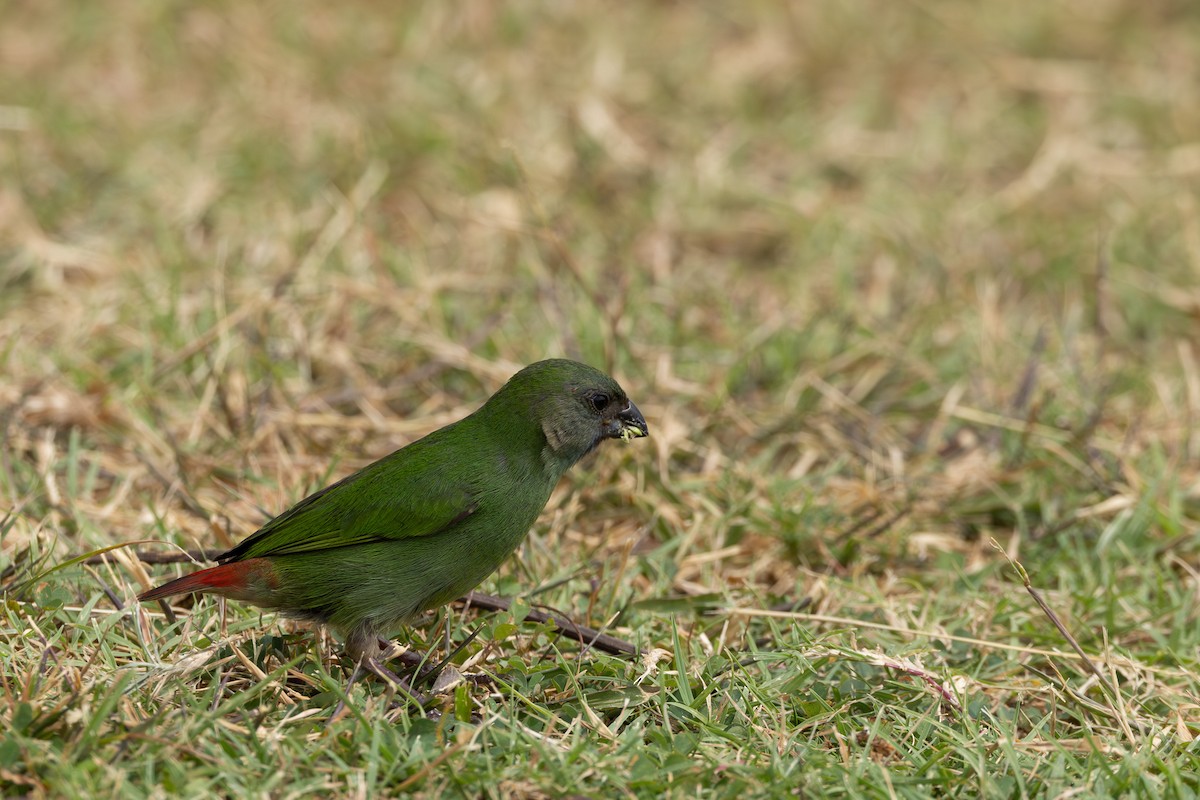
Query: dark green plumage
x=426, y=524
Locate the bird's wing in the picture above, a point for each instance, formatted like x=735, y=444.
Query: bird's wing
x=394, y=498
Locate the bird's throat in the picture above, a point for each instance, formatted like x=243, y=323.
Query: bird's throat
x=560, y=452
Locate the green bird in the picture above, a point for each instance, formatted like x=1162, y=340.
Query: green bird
x=426, y=524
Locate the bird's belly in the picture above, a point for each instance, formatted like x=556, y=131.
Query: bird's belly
x=384, y=584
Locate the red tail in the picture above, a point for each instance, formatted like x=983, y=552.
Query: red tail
x=241, y=580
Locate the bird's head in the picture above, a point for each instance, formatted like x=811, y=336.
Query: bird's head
x=574, y=406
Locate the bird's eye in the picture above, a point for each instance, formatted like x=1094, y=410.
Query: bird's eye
x=599, y=401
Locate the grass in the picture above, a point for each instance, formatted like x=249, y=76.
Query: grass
x=905, y=291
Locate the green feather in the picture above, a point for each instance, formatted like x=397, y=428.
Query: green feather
x=400, y=496
x=429, y=522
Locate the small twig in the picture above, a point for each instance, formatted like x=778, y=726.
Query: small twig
x=1083, y=433
x=940, y=688
x=569, y=629
x=1025, y=389
x=1110, y=691
x=184, y=557
x=859, y=524
x=108, y=592
x=887, y=524
x=1100, y=289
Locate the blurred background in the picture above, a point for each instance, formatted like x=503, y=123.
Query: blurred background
x=811, y=236
x=888, y=279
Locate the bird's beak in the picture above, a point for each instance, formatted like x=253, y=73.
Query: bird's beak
x=628, y=424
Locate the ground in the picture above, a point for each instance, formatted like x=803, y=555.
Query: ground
x=909, y=293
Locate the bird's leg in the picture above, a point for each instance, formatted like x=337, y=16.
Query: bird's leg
x=391, y=651
x=367, y=648
x=369, y=651
x=449, y=657
x=359, y=646
x=394, y=681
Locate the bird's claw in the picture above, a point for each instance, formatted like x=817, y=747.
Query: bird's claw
x=396, y=683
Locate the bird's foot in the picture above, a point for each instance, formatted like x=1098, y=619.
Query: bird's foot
x=395, y=682
x=394, y=651
x=388, y=649
x=483, y=679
